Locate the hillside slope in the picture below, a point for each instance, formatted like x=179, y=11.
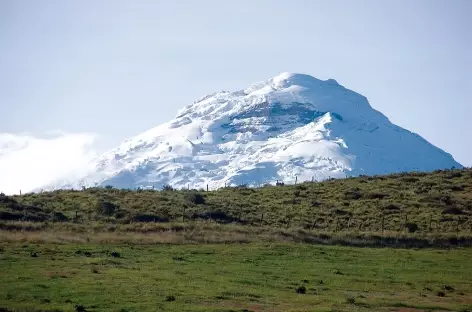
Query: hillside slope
x=438, y=202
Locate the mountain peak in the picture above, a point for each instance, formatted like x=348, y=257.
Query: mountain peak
x=291, y=126
x=287, y=79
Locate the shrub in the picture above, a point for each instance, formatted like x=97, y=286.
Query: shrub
x=146, y=217
x=170, y=298
x=85, y=253
x=440, y=293
x=301, y=290
x=455, y=174
x=411, y=227
x=392, y=207
x=80, y=308
x=353, y=194
x=301, y=187
x=341, y=212
x=106, y=208
x=457, y=188
x=115, y=254
x=409, y=179
x=376, y=195
x=121, y=214
x=59, y=216
x=453, y=210
x=217, y=215
x=196, y=198
x=350, y=300
x=293, y=201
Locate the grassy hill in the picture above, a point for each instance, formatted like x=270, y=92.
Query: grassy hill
x=428, y=204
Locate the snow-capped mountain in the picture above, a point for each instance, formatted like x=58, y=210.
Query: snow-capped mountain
x=292, y=126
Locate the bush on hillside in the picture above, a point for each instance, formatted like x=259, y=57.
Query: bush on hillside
x=353, y=194
x=149, y=217
x=453, y=210
x=106, y=208
x=412, y=227
x=196, y=198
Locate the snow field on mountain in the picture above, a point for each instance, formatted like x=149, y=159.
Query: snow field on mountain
x=292, y=126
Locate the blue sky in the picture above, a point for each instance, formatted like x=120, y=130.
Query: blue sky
x=98, y=72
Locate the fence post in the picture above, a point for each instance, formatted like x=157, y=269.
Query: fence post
x=207, y=187
x=313, y=225
x=430, y=223
x=287, y=215
x=383, y=223
x=296, y=179
x=262, y=218
x=406, y=221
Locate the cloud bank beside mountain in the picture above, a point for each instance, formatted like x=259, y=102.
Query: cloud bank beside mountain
x=29, y=161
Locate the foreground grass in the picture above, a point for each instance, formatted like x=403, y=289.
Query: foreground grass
x=234, y=277
x=206, y=232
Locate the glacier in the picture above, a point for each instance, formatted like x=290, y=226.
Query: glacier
x=292, y=127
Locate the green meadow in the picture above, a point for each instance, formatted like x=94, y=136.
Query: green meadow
x=232, y=277
x=387, y=243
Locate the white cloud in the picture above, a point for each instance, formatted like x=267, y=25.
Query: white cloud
x=28, y=162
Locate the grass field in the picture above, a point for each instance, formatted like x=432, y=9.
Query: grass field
x=324, y=246
x=235, y=277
